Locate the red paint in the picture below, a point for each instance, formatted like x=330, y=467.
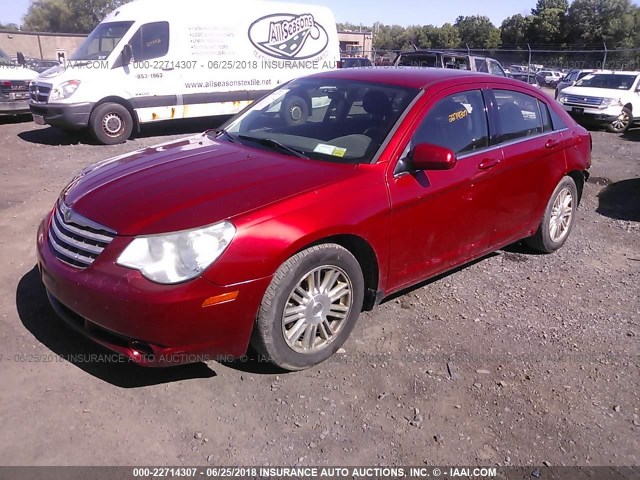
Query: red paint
x=417, y=224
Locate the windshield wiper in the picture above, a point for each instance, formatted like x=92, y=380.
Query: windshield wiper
x=268, y=142
x=226, y=134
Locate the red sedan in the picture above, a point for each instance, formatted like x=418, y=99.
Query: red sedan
x=315, y=203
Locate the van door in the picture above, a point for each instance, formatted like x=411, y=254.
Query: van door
x=152, y=76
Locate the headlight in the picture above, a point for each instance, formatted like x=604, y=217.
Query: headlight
x=610, y=102
x=64, y=90
x=562, y=98
x=176, y=257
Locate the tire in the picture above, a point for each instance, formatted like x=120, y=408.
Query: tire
x=295, y=110
x=558, y=219
x=314, y=342
x=111, y=123
x=622, y=123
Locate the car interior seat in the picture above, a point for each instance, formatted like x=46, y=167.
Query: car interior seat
x=380, y=109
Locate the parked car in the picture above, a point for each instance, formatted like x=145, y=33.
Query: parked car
x=39, y=65
x=354, y=62
x=14, y=86
x=529, y=78
x=281, y=233
x=570, y=79
x=148, y=61
x=610, y=99
x=448, y=59
x=548, y=78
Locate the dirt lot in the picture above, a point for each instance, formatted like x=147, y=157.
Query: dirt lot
x=516, y=359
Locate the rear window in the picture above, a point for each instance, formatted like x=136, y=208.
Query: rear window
x=418, y=60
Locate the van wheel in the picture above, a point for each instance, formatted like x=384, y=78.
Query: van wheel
x=558, y=218
x=295, y=110
x=622, y=123
x=310, y=307
x=111, y=123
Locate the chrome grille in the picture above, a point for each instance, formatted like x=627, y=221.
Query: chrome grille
x=580, y=100
x=39, y=93
x=76, y=240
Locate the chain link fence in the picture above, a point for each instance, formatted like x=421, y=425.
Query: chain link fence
x=536, y=59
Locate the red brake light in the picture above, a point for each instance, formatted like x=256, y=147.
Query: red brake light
x=5, y=83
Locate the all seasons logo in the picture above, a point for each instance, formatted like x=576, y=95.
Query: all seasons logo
x=289, y=37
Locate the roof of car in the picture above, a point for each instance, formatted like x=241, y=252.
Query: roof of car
x=411, y=77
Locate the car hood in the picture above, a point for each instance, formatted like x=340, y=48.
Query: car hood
x=189, y=183
x=595, y=92
x=16, y=72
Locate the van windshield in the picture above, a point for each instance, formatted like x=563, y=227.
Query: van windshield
x=102, y=41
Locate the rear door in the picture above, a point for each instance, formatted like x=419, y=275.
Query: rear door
x=534, y=161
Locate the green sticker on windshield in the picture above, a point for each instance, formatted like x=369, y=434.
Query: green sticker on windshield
x=330, y=150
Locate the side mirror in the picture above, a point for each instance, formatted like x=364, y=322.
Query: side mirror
x=426, y=156
x=21, y=59
x=127, y=54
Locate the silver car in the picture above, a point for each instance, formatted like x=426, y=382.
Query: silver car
x=570, y=79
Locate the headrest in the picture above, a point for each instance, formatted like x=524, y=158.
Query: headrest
x=376, y=102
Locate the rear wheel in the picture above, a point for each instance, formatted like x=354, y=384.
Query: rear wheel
x=558, y=218
x=111, y=123
x=310, y=307
x=622, y=123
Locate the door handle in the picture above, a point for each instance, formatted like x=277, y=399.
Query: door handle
x=551, y=143
x=489, y=163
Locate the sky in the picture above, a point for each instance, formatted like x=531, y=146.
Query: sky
x=401, y=12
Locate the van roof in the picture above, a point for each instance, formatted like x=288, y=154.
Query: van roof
x=140, y=9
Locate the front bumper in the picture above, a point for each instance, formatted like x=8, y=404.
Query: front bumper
x=74, y=116
x=592, y=116
x=14, y=107
x=152, y=324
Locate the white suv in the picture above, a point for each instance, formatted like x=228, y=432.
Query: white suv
x=604, y=98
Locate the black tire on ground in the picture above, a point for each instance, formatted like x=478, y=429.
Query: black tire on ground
x=268, y=336
x=622, y=123
x=111, y=123
x=295, y=110
x=542, y=240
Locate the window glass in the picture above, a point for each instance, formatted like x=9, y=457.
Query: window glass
x=495, y=69
x=558, y=122
x=102, y=41
x=518, y=115
x=150, y=41
x=457, y=122
x=547, y=125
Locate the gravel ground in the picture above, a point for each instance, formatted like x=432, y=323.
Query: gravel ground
x=516, y=359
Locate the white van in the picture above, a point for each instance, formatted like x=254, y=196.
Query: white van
x=153, y=60
x=14, y=86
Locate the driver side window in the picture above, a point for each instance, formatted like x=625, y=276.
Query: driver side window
x=457, y=122
x=150, y=41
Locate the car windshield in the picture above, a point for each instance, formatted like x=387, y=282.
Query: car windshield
x=604, y=80
x=4, y=59
x=323, y=119
x=102, y=41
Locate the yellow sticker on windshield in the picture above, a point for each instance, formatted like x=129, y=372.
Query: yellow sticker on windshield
x=458, y=115
x=330, y=150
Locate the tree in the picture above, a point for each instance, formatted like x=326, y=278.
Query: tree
x=9, y=26
x=447, y=36
x=514, y=30
x=547, y=27
x=68, y=16
x=478, y=31
x=598, y=21
x=542, y=5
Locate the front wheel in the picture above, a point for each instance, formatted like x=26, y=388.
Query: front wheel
x=310, y=307
x=622, y=123
x=111, y=123
x=558, y=218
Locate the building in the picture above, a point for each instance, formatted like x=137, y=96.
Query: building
x=44, y=46
x=356, y=44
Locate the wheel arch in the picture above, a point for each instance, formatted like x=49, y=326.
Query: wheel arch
x=126, y=104
x=366, y=257
x=580, y=178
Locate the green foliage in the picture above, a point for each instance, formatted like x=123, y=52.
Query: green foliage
x=9, y=26
x=478, y=32
x=67, y=16
x=514, y=30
